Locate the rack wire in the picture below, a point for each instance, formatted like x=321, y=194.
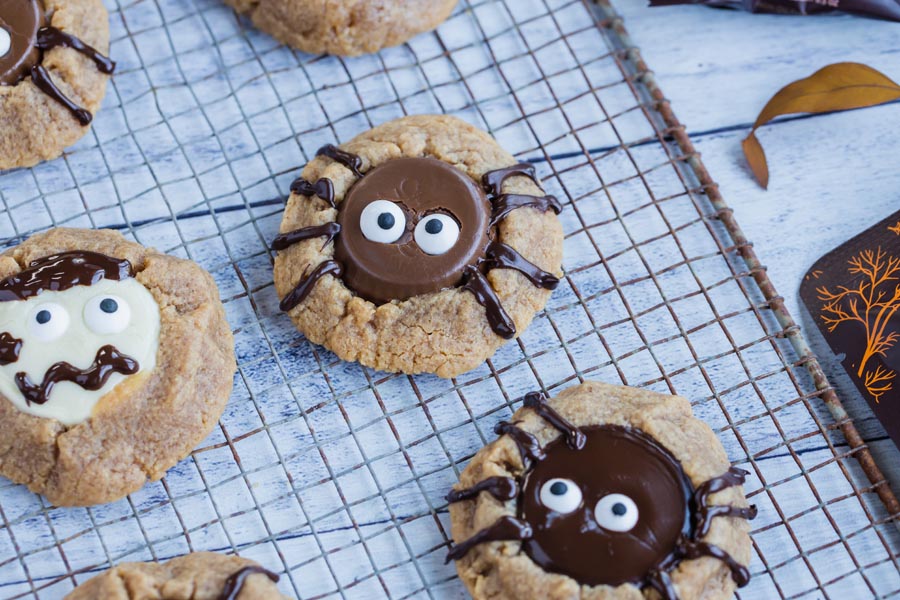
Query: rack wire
x=334, y=475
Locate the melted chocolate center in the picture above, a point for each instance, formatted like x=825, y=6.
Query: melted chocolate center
x=613, y=460
x=381, y=272
x=20, y=20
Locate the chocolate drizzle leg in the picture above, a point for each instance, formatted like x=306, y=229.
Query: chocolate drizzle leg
x=235, y=583
x=528, y=445
x=506, y=203
x=41, y=78
x=323, y=188
x=574, y=437
x=51, y=37
x=504, y=529
x=501, y=488
x=305, y=286
x=498, y=319
x=327, y=230
x=493, y=180
x=706, y=512
x=661, y=581
x=501, y=256
x=10, y=346
x=107, y=361
x=739, y=573
x=348, y=159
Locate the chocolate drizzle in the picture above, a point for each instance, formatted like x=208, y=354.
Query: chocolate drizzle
x=348, y=159
x=51, y=37
x=41, y=78
x=498, y=319
x=493, y=180
x=501, y=256
x=322, y=188
x=107, y=361
x=501, y=488
x=601, y=460
x=326, y=230
x=62, y=271
x=10, y=346
x=537, y=402
x=235, y=583
x=528, y=445
x=305, y=286
x=504, y=529
x=506, y=203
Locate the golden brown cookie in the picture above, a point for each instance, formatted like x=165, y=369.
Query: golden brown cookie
x=53, y=75
x=115, y=361
x=604, y=492
x=418, y=246
x=198, y=576
x=344, y=27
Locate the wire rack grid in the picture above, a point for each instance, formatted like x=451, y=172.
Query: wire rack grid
x=334, y=475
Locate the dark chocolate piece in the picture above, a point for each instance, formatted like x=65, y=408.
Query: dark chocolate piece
x=706, y=512
x=504, y=529
x=501, y=256
x=327, y=230
x=51, y=37
x=305, y=286
x=498, y=319
x=107, y=361
x=235, y=582
x=493, y=180
x=60, y=272
x=506, y=203
x=528, y=445
x=323, y=188
x=348, y=159
x=382, y=272
x=574, y=437
x=41, y=78
x=10, y=347
x=22, y=19
x=501, y=488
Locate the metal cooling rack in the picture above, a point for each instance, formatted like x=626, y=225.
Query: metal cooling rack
x=334, y=475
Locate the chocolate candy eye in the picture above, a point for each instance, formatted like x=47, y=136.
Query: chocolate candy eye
x=382, y=221
x=436, y=233
x=107, y=314
x=48, y=321
x=561, y=495
x=5, y=42
x=616, y=512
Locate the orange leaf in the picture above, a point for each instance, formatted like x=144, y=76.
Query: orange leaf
x=841, y=86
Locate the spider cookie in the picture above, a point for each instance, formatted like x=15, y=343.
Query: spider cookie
x=115, y=361
x=52, y=77
x=603, y=492
x=344, y=27
x=198, y=576
x=419, y=246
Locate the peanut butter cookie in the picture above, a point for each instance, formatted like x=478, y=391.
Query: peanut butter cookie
x=419, y=246
x=115, y=361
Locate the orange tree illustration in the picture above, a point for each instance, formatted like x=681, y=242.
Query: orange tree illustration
x=872, y=303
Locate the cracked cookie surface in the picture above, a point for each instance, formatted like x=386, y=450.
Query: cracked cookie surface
x=344, y=27
x=197, y=576
x=148, y=421
x=579, y=499
x=456, y=327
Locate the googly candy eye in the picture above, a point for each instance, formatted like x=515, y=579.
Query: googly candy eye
x=48, y=321
x=382, y=221
x=616, y=512
x=5, y=42
x=107, y=314
x=436, y=233
x=561, y=495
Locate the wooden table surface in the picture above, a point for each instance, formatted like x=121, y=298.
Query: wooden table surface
x=831, y=176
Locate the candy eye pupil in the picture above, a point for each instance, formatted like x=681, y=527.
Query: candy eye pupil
x=559, y=488
x=434, y=226
x=42, y=316
x=109, y=306
x=619, y=509
x=386, y=220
